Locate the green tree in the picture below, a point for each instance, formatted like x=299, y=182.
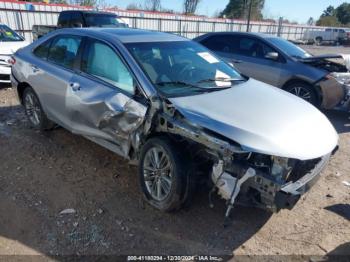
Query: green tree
x=239, y=9
x=328, y=21
x=342, y=12
x=330, y=11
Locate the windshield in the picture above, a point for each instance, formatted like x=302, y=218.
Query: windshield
x=8, y=35
x=183, y=68
x=103, y=20
x=289, y=48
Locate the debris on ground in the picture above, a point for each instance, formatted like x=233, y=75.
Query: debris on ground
x=68, y=211
x=346, y=183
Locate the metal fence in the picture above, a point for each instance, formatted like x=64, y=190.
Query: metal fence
x=21, y=16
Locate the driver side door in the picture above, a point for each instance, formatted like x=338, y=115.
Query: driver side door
x=101, y=99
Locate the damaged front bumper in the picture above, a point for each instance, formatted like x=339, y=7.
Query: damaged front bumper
x=290, y=193
x=335, y=89
x=256, y=188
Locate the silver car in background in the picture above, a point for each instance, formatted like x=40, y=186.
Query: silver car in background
x=170, y=105
x=324, y=80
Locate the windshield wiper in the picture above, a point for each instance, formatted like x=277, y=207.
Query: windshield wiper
x=178, y=83
x=199, y=88
x=220, y=79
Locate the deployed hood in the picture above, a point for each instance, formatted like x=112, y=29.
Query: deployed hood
x=322, y=62
x=262, y=119
x=9, y=48
x=317, y=57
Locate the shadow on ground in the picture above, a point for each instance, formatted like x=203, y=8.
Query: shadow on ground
x=340, y=120
x=341, y=210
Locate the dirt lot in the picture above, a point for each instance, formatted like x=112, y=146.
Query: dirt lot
x=42, y=174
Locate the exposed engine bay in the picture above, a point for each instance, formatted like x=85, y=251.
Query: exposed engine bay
x=239, y=176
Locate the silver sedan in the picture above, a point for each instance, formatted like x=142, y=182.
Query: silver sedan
x=174, y=108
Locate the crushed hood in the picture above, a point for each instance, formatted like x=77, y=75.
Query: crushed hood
x=262, y=119
x=9, y=48
x=312, y=59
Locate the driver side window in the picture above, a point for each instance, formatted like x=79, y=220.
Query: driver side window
x=253, y=48
x=101, y=61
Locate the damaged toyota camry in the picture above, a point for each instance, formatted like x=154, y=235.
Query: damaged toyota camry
x=183, y=115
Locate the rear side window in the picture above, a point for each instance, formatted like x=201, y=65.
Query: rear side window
x=64, y=19
x=103, y=62
x=63, y=50
x=42, y=50
x=220, y=43
x=76, y=19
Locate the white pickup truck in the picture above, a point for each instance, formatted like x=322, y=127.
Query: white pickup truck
x=329, y=35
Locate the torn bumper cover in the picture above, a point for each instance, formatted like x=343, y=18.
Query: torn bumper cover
x=336, y=91
x=269, y=192
x=290, y=193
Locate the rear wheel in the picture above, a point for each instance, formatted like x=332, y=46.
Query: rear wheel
x=318, y=40
x=304, y=91
x=33, y=109
x=163, y=175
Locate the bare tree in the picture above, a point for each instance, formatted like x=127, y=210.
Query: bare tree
x=190, y=6
x=134, y=6
x=152, y=5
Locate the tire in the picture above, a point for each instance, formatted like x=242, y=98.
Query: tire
x=304, y=91
x=318, y=41
x=164, y=189
x=34, y=111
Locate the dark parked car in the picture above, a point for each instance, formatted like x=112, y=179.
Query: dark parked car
x=80, y=18
x=276, y=61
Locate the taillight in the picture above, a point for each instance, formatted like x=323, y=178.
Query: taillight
x=12, y=61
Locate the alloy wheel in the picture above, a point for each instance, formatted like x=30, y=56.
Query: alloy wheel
x=32, y=108
x=157, y=172
x=301, y=92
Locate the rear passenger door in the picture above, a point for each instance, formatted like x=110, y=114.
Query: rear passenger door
x=52, y=72
x=101, y=99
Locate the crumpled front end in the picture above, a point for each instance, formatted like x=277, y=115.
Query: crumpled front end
x=336, y=87
x=241, y=176
x=267, y=182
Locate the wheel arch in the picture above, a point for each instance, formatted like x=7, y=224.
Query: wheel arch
x=20, y=90
x=296, y=80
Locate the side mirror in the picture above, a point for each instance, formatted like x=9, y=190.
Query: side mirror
x=77, y=24
x=272, y=56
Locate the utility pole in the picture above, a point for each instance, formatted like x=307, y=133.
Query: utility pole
x=249, y=14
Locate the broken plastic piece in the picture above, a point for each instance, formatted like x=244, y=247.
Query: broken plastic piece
x=248, y=174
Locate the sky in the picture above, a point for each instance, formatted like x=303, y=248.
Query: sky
x=293, y=10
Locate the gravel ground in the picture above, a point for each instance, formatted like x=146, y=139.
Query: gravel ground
x=42, y=174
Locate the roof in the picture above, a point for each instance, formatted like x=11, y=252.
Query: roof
x=261, y=35
x=128, y=35
x=89, y=12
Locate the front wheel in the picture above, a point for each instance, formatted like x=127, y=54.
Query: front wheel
x=33, y=109
x=304, y=91
x=163, y=174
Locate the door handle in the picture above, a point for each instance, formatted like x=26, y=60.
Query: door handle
x=35, y=68
x=75, y=86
